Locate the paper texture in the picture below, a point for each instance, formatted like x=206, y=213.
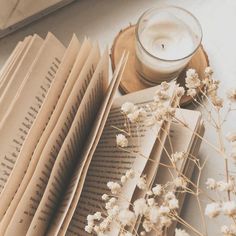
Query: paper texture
x=9, y=62
x=26, y=105
x=71, y=149
x=58, y=127
x=75, y=72
x=67, y=207
x=113, y=166
x=38, y=127
x=10, y=68
x=16, y=80
x=181, y=139
x=35, y=188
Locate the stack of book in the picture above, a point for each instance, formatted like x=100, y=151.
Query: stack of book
x=16, y=14
x=58, y=142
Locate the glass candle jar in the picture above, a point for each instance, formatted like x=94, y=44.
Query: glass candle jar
x=166, y=39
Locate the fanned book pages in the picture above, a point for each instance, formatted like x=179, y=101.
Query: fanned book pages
x=58, y=127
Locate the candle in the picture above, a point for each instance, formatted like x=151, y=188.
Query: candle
x=166, y=39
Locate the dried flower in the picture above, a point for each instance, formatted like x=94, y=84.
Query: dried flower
x=140, y=207
x=169, y=195
x=130, y=174
x=212, y=209
x=164, y=113
x=177, y=156
x=158, y=208
x=208, y=71
x=161, y=96
x=137, y=115
x=180, y=182
x=229, y=208
x=104, y=225
x=191, y=73
x=126, y=217
x=224, y=186
x=192, y=92
x=192, y=80
x=98, y=215
x=113, y=211
x=97, y=229
x=173, y=204
x=233, y=155
x=154, y=215
x=157, y=190
x=165, y=85
x=232, y=95
x=105, y=197
x=114, y=187
x=212, y=88
x=90, y=218
x=211, y=183
x=225, y=230
x=123, y=179
x=147, y=225
x=88, y=229
x=128, y=107
x=228, y=230
x=142, y=184
x=121, y=141
x=165, y=221
x=110, y=204
x=231, y=137
x=180, y=91
x=217, y=102
x=151, y=202
x=164, y=210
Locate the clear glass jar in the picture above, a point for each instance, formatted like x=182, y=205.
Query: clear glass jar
x=166, y=39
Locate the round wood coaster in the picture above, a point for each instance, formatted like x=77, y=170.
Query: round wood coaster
x=130, y=82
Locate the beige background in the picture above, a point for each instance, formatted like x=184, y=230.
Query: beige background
x=102, y=19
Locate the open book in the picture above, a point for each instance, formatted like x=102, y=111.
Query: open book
x=57, y=140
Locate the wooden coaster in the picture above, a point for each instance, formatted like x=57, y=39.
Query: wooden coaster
x=125, y=40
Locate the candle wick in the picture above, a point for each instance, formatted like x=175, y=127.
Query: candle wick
x=163, y=46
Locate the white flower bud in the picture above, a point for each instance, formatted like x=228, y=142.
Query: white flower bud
x=128, y=107
x=212, y=210
x=121, y=141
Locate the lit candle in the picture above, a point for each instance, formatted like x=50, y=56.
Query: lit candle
x=166, y=39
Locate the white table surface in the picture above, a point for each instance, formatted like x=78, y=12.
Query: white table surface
x=102, y=19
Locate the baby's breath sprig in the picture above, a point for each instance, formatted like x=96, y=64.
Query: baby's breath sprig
x=159, y=207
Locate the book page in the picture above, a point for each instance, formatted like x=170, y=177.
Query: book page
x=110, y=162
x=67, y=206
x=9, y=61
x=182, y=140
x=19, y=74
x=38, y=126
x=192, y=119
x=35, y=188
x=72, y=147
x=26, y=105
x=81, y=58
x=13, y=64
